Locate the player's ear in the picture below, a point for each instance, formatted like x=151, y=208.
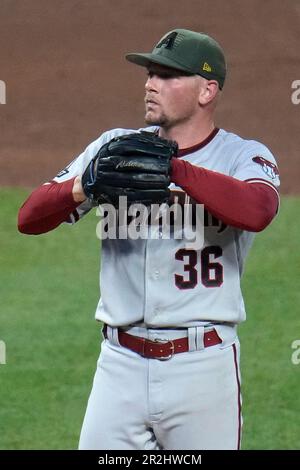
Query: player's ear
x=208, y=90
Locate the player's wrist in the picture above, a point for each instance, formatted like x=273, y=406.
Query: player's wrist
x=77, y=191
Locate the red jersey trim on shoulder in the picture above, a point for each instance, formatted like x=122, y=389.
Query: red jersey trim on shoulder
x=194, y=148
x=261, y=180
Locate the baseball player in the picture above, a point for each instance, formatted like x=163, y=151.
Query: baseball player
x=168, y=374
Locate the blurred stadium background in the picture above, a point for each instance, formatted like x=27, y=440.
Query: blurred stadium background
x=66, y=82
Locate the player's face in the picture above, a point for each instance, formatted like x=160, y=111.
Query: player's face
x=171, y=98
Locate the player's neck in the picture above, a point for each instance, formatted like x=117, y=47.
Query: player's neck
x=187, y=135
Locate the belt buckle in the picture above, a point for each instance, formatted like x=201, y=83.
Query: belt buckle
x=165, y=358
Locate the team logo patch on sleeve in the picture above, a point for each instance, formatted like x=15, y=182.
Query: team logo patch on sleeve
x=268, y=167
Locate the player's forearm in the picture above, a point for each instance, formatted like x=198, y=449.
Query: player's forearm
x=47, y=207
x=237, y=203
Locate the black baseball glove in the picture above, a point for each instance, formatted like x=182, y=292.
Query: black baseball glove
x=133, y=165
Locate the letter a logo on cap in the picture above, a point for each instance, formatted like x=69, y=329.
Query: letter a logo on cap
x=168, y=41
x=206, y=67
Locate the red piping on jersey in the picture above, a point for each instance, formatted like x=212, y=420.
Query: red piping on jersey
x=239, y=396
x=199, y=146
x=261, y=179
x=248, y=206
x=47, y=207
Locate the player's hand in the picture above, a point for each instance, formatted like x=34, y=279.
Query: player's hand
x=77, y=191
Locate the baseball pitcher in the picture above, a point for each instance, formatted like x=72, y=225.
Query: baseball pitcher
x=168, y=374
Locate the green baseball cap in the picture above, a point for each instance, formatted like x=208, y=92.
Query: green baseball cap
x=191, y=52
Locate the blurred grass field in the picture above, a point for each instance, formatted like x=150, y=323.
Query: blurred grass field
x=49, y=291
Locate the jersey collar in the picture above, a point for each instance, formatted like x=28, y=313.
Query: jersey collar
x=200, y=145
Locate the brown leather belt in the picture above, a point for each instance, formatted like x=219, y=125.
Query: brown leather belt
x=158, y=349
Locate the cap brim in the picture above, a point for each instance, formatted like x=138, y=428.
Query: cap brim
x=147, y=59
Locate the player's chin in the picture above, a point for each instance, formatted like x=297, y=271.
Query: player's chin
x=153, y=119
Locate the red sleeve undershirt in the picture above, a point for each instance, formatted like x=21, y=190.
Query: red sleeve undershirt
x=237, y=203
x=47, y=207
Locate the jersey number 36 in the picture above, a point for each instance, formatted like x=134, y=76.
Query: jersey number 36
x=211, y=271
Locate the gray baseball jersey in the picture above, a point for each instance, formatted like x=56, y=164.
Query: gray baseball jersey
x=161, y=283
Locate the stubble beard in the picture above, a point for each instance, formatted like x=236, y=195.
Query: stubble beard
x=161, y=120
